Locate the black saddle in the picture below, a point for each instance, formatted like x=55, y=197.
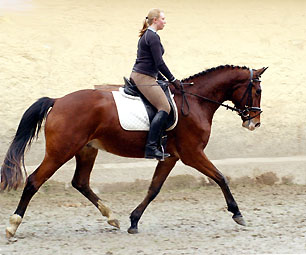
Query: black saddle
x=131, y=89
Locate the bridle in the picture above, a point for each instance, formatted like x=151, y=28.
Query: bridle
x=248, y=108
x=243, y=113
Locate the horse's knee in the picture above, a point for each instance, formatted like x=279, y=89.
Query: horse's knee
x=153, y=192
x=134, y=217
x=223, y=180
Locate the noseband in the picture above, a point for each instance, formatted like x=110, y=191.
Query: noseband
x=244, y=113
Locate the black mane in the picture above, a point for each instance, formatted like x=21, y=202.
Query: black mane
x=214, y=69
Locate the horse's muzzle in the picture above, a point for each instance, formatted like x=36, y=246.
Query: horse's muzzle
x=251, y=124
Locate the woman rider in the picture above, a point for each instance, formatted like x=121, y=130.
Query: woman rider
x=148, y=67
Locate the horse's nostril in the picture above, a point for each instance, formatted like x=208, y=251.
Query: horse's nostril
x=257, y=124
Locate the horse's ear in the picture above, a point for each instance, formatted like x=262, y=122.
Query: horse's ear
x=259, y=72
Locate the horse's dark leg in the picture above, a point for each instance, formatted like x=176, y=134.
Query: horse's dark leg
x=85, y=159
x=161, y=173
x=46, y=169
x=200, y=162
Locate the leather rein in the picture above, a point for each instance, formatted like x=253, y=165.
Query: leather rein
x=244, y=113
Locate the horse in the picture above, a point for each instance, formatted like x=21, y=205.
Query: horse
x=80, y=123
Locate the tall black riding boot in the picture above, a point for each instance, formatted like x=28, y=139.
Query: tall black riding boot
x=154, y=136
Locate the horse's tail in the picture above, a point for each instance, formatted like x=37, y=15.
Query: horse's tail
x=28, y=129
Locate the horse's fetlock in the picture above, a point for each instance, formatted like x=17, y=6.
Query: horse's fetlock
x=15, y=221
x=233, y=208
x=135, y=216
x=104, y=209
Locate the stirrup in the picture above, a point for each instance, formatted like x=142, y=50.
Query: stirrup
x=153, y=155
x=165, y=155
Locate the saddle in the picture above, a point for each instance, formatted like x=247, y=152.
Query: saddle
x=131, y=89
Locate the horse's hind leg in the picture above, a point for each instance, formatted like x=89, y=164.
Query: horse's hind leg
x=46, y=169
x=85, y=159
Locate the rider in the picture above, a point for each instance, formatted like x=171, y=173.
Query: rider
x=148, y=67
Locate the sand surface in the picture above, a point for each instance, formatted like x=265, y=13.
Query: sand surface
x=182, y=220
x=51, y=48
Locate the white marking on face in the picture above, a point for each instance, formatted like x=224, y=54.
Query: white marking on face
x=249, y=124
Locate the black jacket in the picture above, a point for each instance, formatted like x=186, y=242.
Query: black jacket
x=150, y=56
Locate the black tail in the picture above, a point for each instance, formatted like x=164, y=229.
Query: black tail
x=28, y=129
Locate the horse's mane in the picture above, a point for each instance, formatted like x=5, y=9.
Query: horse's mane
x=205, y=72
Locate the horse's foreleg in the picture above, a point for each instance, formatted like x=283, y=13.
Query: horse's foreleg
x=84, y=163
x=33, y=183
x=200, y=162
x=160, y=175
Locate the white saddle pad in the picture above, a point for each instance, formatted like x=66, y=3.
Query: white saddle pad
x=132, y=113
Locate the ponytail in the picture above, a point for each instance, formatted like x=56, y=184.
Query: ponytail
x=144, y=27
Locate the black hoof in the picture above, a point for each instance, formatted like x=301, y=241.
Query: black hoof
x=132, y=230
x=239, y=220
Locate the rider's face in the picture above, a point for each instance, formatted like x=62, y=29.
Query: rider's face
x=160, y=21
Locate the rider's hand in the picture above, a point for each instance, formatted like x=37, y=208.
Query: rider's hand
x=176, y=83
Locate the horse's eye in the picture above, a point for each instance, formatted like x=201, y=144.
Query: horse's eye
x=258, y=91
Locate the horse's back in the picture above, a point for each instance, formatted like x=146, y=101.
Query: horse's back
x=81, y=100
x=81, y=111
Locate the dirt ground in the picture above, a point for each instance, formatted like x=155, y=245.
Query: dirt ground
x=182, y=220
x=54, y=48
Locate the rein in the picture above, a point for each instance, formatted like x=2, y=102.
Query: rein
x=244, y=114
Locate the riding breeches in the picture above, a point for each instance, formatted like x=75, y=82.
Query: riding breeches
x=148, y=86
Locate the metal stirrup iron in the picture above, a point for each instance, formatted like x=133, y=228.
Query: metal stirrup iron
x=163, y=151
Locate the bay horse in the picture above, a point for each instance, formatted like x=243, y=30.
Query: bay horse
x=80, y=123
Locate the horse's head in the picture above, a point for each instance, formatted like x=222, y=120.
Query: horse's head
x=246, y=97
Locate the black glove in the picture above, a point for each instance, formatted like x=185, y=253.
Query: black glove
x=177, y=84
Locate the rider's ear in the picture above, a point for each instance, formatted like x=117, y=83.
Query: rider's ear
x=259, y=72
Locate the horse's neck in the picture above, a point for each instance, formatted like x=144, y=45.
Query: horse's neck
x=216, y=87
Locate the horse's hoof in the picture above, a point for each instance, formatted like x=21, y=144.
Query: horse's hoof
x=115, y=223
x=239, y=220
x=132, y=230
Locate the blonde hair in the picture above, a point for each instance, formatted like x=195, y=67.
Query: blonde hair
x=153, y=13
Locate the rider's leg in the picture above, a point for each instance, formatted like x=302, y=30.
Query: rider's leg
x=148, y=86
x=153, y=92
